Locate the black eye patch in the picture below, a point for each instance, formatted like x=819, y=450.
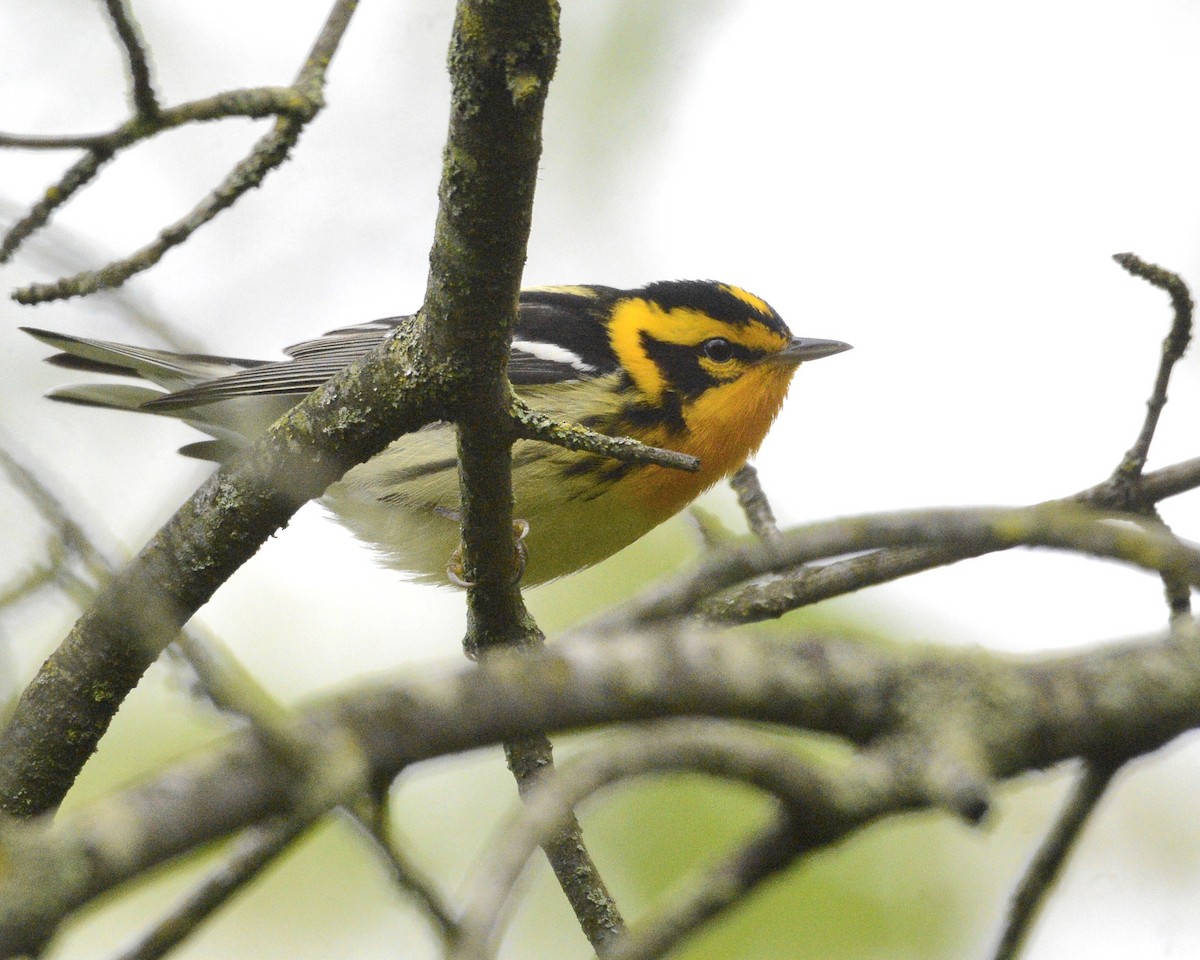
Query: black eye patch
x=679, y=363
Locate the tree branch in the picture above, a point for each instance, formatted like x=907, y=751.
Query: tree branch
x=1043, y=873
x=820, y=799
x=501, y=63
x=968, y=531
x=1017, y=715
x=754, y=503
x=1173, y=349
x=793, y=589
x=145, y=101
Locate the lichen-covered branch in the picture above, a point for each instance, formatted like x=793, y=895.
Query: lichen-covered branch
x=531, y=425
x=826, y=802
x=771, y=598
x=68, y=706
x=1056, y=525
x=754, y=503
x=502, y=60
x=256, y=850
x=1016, y=715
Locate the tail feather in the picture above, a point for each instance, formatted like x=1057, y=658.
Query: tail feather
x=218, y=451
x=173, y=371
x=110, y=396
x=231, y=421
x=69, y=362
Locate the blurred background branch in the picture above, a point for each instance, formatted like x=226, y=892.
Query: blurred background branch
x=292, y=106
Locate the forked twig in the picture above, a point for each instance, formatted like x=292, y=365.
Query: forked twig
x=293, y=107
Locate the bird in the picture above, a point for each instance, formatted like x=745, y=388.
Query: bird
x=695, y=366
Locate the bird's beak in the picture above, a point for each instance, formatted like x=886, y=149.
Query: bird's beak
x=806, y=348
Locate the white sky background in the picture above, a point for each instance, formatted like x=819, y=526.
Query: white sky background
x=941, y=184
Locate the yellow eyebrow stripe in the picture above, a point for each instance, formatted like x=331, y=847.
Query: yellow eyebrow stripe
x=629, y=319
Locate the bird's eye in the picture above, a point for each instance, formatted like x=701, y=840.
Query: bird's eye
x=718, y=349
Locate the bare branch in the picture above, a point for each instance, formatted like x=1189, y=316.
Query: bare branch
x=68, y=706
x=405, y=874
x=1043, y=872
x=531, y=425
x=145, y=101
x=798, y=588
x=1173, y=349
x=267, y=154
x=827, y=804
x=982, y=529
x=754, y=503
x=501, y=66
x=1107, y=704
x=258, y=849
x=78, y=175
x=227, y=685
x=723, y=886
x=294, y=107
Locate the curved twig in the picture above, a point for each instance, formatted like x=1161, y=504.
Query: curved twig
x=770, y=599
x=954, y=531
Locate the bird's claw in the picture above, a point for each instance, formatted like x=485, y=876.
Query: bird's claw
x=456, y=573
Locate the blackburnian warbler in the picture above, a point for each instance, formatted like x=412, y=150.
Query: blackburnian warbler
x=693, y=366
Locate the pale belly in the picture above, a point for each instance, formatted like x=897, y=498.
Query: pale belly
x=409, y=516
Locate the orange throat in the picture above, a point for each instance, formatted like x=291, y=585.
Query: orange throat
x=724, y=427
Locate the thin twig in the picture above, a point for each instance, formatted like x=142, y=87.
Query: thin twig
x=78, y=175
x=913, y=776
x=26, y=584
x=258, y=848
x=293, y=108
x=1126, y=480
x=253, y=103
x=1173, y=348
x=405, y=874
x=530, y=760
x=971, y=531
x=754, y=503
x=311, y=78
x=531, y=425
x=267, y=154
x=1126, y=491
x=810, y=584
x=145, y=101
x=1047, y=864
x=723, y=886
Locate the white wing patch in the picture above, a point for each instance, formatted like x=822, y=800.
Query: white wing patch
x=553, y=353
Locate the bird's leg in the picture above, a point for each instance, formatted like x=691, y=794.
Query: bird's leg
x=454, y=566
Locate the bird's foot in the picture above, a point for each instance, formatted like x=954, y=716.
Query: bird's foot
x=456, y=573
